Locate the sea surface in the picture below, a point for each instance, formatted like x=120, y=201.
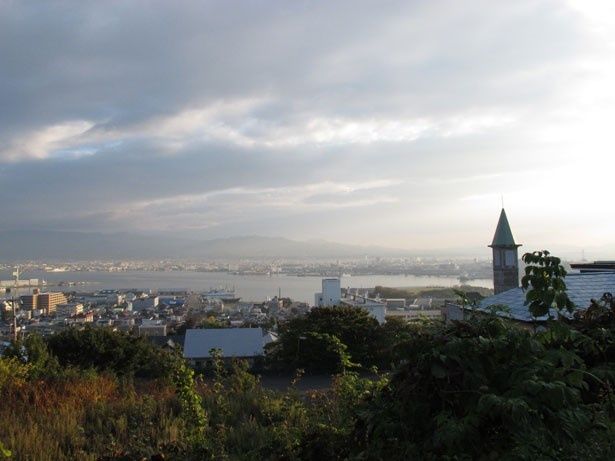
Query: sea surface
x=248, y=287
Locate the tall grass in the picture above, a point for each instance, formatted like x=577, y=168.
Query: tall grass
x=87, y=417
x=84, y=415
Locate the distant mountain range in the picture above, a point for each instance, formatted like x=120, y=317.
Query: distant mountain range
x=63, y=246
x=49, y=245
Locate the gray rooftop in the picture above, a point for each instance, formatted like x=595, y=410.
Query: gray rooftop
x=582, y=288
x=234, y=342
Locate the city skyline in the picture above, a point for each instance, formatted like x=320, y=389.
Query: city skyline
x=399, y=125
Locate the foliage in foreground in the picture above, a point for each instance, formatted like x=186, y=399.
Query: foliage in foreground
x=545, y=285
x=81, y=413
x=484, y=389
x=478, y=389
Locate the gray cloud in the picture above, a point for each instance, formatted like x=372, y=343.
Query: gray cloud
x=221, y=118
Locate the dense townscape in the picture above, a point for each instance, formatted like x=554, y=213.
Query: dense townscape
x=164, y=312
x=465, y=268
x=48, y=307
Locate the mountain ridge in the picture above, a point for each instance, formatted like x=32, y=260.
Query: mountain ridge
x=32, y=245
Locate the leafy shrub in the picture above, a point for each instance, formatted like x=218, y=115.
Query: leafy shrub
x=107, y=350
x=304, y=337
x=483, y=389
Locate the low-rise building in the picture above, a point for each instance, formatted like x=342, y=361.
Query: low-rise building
x=69, y=309
x=376, y=307
x=152, y=328
x=241, y=343
x=410, y=315
x=84, y=317
x=125, y=324
x=141, y=304
x=395, y=303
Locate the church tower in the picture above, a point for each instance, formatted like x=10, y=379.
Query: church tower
x=505, y=257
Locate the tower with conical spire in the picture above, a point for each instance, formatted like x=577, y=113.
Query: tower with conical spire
x=505, y=257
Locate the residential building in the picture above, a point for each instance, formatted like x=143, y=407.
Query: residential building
x=141, y=304
x=29, y=302
x=125, y=324
x=152, y=328
x=84, y=317
x=45, y=301
x=49, y=301
x=377, y=308
x=244, y=343
x=69, y=309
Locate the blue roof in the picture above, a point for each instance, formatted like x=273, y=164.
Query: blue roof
x=234, y=342
x=582, y=288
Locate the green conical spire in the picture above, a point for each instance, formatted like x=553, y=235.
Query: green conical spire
x=503, y=235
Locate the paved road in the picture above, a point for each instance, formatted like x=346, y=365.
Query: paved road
x=306, y=383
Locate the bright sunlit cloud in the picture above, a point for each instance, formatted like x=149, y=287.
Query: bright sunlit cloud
x=401, y=124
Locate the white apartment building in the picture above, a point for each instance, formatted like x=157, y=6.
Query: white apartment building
x=331, y=293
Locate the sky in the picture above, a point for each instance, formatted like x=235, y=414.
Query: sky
x=394, y=123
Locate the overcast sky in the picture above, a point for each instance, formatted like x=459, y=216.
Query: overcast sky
x=395, y=123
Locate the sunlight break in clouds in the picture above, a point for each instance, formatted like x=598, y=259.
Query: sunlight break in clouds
x=236, y=123
x=202, y=115
x=42, y=143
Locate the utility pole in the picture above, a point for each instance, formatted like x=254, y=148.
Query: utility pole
x=16, y=276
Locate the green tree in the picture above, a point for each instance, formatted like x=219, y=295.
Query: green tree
x=544, y=282
x=322, y=352
x=487, y=389
x=394, y=334
x=107, y=350
x=355, y=329
x=33, y=351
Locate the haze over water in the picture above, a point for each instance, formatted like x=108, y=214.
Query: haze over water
x=248, y=287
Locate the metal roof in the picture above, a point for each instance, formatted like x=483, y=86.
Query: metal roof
x=503, y=235
x=234, y=342
x=581, y=288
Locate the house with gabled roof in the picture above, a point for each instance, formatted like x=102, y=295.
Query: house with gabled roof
x=233, y=343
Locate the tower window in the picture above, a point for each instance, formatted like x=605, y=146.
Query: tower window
x=510, y=258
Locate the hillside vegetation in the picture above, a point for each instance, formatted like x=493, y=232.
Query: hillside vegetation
x=479, y=389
